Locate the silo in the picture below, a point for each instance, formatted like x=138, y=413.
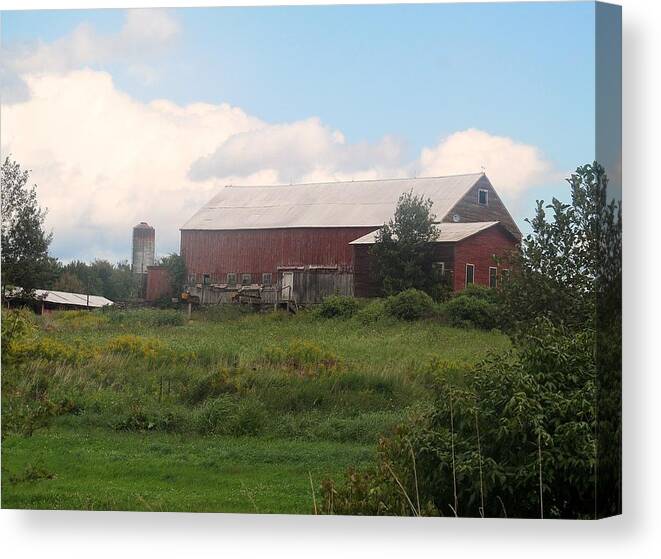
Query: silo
x=144, y=243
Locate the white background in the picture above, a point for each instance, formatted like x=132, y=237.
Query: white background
x=636, y=533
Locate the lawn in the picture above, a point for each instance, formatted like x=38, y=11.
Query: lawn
x=230, y=412
x=101, y=470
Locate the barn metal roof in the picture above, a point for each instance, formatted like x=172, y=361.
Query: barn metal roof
x=450, y=232
x=332, y=204
x=65, y=298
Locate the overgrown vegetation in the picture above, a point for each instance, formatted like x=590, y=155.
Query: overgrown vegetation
x=514, y=435
x=466, y=421
x=338, y=306
x=475, y=307
x=228, y=377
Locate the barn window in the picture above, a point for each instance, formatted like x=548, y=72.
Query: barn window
x=266, y=278
x=206, y=279
x=246, y=279
x=483, y=197
x=440, y=266
x=493, y=276
x=470, y=274
x=231, y=278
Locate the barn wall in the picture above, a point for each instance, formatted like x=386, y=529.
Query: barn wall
x=469, y=210
x=264, y=250
x=480, y=250
x=312, y=286
x=364, y=279
x=158, y=283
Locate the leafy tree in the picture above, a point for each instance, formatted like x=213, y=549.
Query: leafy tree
x=512, y=437
x=177, y=270
x=569, y=257
x=25, y=260
x=69, y=282
x=404, y=251
x=116, y=282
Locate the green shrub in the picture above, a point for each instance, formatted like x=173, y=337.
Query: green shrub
x=475, y=307
x=228, y=415
x=411, y=304
x=476, y=450
x=372, y=313
x=17, y=326
x=337, y=306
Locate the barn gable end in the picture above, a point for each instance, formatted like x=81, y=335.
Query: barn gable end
x=468, y=208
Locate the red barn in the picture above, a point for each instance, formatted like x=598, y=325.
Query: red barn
x=275, y=235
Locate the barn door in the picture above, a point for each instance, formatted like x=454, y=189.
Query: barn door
x=287, y=292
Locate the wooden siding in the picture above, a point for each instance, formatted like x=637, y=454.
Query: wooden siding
x=312, y=286
x=479, y=250
x=261, y=251
x=364, y=280
x=469, y=210
x=158, y=283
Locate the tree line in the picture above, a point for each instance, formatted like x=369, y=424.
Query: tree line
x=26, y=262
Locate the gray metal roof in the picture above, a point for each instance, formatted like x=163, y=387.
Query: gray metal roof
x=450, y=232
x=77, y=299
x=333, y=204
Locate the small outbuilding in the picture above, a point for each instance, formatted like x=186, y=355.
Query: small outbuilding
x=48, y=300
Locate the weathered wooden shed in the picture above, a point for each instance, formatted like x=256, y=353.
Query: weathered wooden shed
x=298, y=236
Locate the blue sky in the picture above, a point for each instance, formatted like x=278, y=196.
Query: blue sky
x=416, y=74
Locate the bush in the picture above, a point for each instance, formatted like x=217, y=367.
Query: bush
x=475, y=307
x=17, y=326
x=483, y=438
x=411, y=304
x=373, y=312
x=337, y=306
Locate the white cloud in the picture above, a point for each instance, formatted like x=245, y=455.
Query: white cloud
x=104, y=161
x=144, y=35
x=511, y=166
x=298, y=150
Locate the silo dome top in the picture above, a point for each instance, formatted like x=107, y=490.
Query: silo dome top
x=143, y=225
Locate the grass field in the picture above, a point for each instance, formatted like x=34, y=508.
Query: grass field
x=231, y=412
